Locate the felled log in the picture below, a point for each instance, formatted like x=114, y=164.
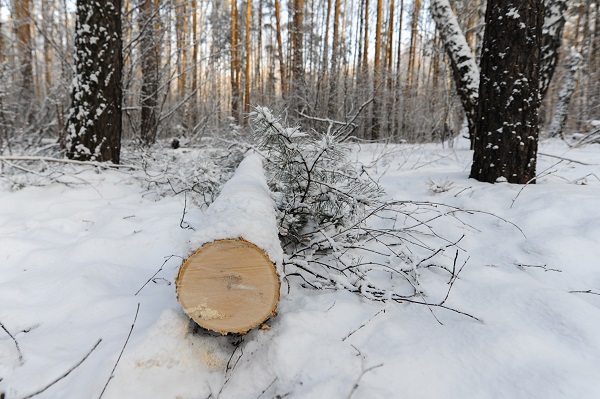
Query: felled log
x=230, y=284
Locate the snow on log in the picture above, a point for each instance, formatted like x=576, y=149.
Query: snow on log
x=230, y=284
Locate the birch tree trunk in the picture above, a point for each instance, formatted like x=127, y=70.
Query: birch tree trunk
x=561, y=111
x=462, y=61
x=554, y=21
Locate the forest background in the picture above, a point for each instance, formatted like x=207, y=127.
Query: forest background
x=194, y=68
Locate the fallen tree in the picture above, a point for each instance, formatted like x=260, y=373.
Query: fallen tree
x=230, y=284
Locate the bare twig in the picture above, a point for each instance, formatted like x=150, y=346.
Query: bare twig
x=463, y=190
x=339, y=132
x=110, y=377
x=362, y=325
x=363, y=371
x=591, y=137
x=158, y=271
x=15, y=341
x=564, y=159
x=584, y=292
x=267, y=388
x=65, y=374
x=230, y=369
x=533, y=179
x=454, y=276
x=238, y=345
x=182, y=223
x=330, y=121
x=544, y=267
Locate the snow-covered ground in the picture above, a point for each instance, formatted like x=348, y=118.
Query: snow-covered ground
x=73, y=259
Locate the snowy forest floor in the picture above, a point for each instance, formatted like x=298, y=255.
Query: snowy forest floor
x=74, y=254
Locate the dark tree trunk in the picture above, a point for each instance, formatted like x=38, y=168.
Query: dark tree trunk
x=94, y=126
x=150, y=61
x=509, y=96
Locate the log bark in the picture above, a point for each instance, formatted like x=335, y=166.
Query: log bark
x=230, y=284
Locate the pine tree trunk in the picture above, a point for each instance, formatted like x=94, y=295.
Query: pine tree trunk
x=2, y=56
x=150, y=64
x=389, y=80
x=280, y=48
x=334, y=75
x=193, y=110
x=414, y=32
x=375, y=121
x=397, y=124
x=182, y=48
x=507, y=124
x=235, y=63
x=47, y=25
x=94, y=126
x=298, y=79
x=258, y=77
x=365, y=63
x=248, y=56
x=22, y=10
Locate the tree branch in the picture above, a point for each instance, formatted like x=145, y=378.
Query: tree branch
x=120, y=354
x=65, y=374
x=15, y=341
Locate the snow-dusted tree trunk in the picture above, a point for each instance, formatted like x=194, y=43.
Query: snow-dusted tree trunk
x=564, y=97
x=462, y=61
x=94, y=126
x=507, y=128
x=464, y=64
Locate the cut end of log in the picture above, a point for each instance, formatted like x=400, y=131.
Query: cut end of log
x=228, y=286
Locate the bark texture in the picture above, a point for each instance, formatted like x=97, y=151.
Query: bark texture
x=150, y=74
x=554, y=21
x=235, y=63
x=95, y=125
x=462, y=61
x=507, y=128
x=561, y=111
x=22, y=9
